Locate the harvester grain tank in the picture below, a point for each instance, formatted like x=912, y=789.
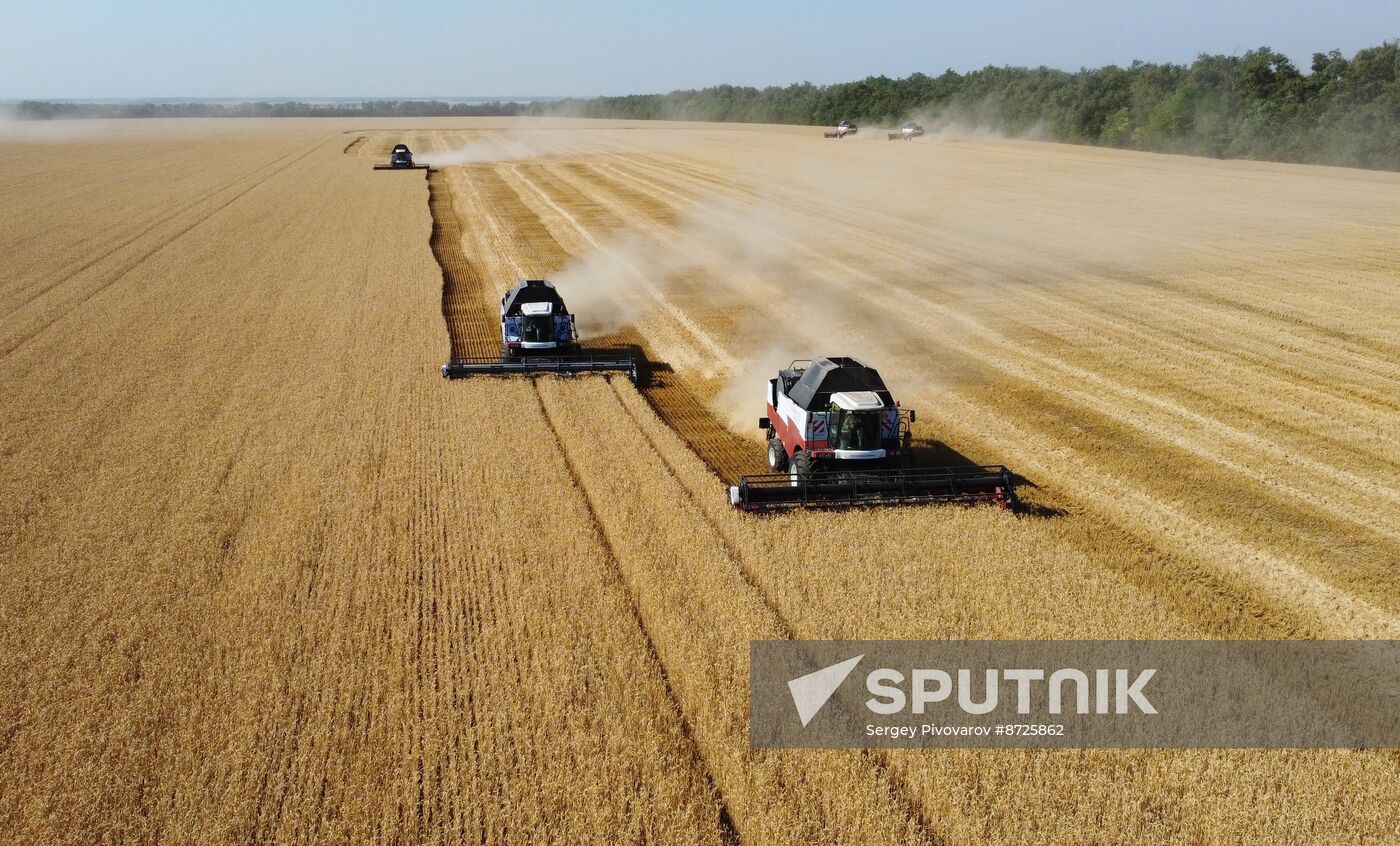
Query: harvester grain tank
x=538, y=335
x=836, y=436
x=534, y=320
x=907, y=132
x=400, y=158
x=842, y=129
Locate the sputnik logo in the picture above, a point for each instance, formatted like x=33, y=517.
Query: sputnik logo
x=810, y=692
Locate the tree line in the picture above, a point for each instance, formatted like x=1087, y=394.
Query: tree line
x=1342, y=110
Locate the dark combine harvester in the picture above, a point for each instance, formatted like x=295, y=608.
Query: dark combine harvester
x=837, y=437
x=907, y=132
x=400, y=159
x=538, y=336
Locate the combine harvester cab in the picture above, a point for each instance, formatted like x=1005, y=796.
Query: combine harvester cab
x=907, y=132
x=842, y=129
x=837, y=437
x=538, y=335
x=400, y=158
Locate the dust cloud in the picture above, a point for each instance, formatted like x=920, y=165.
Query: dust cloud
x=814, y=247
x=751, y=260
x=13, y=128
x=552, y=138
x=60, y=130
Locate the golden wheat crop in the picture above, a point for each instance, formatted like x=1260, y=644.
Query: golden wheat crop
x=269, y=579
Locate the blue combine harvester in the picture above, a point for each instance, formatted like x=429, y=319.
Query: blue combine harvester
x=538, y=335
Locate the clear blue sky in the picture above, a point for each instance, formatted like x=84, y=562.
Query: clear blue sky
x=98, y=49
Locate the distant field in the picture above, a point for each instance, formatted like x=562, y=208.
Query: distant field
x=270, y=579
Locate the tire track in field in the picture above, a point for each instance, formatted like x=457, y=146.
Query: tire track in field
x=143, y=257
x=714, y=560
x=605, y=539
x=878, y=759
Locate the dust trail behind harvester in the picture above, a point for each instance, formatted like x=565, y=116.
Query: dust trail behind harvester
x=909, y=272
x=549, y=139
x=757, y=260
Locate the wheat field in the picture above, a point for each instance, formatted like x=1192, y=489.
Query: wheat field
x=269, y=578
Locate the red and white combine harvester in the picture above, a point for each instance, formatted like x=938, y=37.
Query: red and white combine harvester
x=842, y=129
x=837, y=437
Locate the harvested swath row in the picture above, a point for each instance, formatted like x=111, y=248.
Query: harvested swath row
x=1262, y=378
x=1050, y=297
x=1246, y=590
x=472, y=326
x=1118, y=288
x=1325, y=496
x=843, y=268
x=1014, y=317
x=507, y=237
x=884, y=245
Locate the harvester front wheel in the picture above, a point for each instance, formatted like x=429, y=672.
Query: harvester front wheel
x=777, y=455
x=799, y=468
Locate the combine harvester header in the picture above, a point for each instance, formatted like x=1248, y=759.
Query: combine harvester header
x=837, y=437
x=538, y=336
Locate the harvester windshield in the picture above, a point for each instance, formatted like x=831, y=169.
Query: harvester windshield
x=538, y=328
x=857, y=430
